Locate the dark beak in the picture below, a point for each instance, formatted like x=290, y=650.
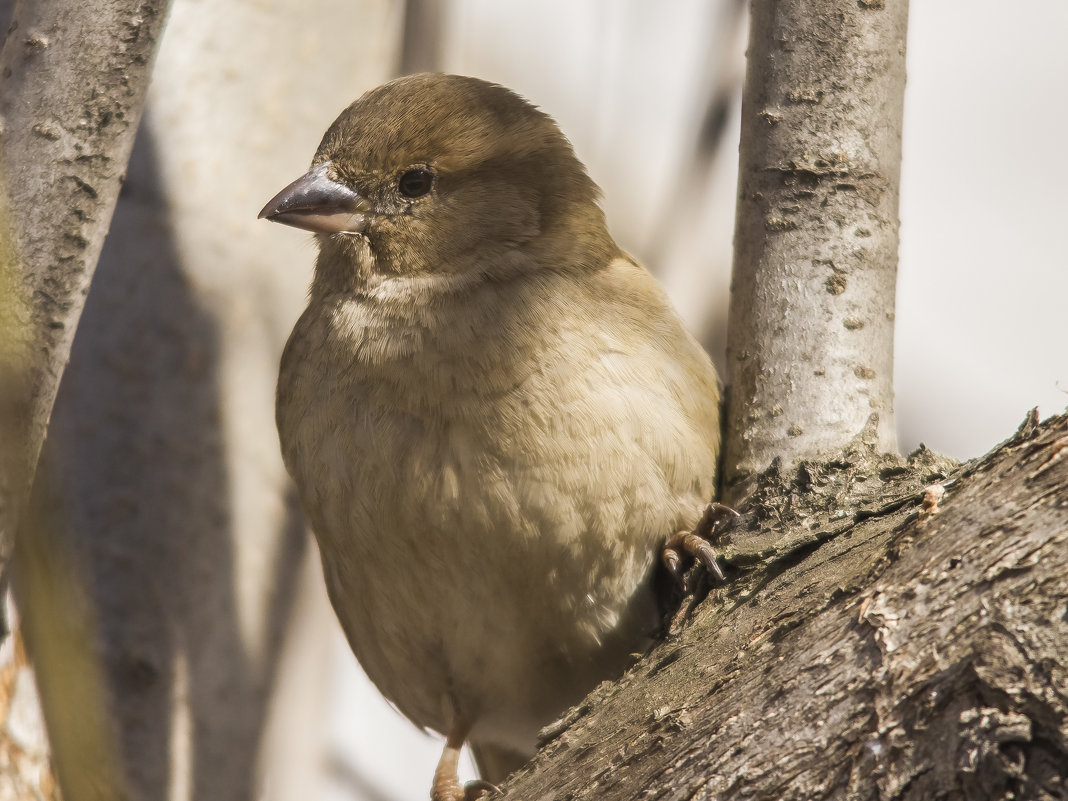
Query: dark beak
x=316, y=202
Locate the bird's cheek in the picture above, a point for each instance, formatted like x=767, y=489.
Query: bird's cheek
x=502, y=213
x=399, y=245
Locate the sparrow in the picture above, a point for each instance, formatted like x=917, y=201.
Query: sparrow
x=494, y=418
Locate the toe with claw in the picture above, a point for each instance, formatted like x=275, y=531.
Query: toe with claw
x=684, y=546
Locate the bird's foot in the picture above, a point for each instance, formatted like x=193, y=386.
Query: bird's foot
x=683, y=547
x=449, y=789
x=446, y=786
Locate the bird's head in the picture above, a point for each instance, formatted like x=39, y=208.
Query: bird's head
x=444, y=173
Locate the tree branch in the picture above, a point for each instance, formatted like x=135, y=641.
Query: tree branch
x=890, y=641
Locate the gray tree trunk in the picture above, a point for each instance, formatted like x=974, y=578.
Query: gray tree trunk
x=73, y=80
x=811, y=326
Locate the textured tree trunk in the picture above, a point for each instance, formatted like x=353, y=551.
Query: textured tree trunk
x=893, y=629
x=810, y=333
x=73, y=80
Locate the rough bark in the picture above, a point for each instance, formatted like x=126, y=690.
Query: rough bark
x=810, y=333
x=892, y=629
x=73, y=79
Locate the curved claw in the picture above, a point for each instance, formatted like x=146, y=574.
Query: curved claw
x=695, y=544
x=671, y=560
x=716, y=519
x=701, y=550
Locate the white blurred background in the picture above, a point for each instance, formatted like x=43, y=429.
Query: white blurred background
x=231, y=677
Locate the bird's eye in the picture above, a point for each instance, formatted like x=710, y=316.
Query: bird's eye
x=416, y=183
